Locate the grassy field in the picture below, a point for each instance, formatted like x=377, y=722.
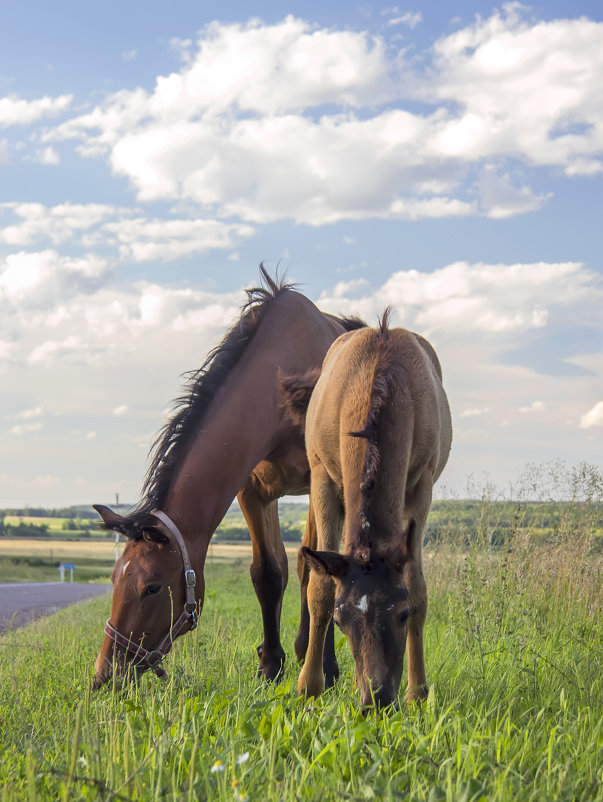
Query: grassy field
x=514, y=644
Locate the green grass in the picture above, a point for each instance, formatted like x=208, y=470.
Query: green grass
x=515, y=711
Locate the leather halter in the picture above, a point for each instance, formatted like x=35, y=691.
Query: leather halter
x=153, y=658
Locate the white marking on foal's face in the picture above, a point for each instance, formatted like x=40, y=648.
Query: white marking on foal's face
x=363, y=604
x=124, y=569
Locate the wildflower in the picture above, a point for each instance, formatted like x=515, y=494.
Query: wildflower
x=243, y=758
x=217, y=767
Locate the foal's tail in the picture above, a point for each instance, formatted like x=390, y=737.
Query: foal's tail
x=296, y=391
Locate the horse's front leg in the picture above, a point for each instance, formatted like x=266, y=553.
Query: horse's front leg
x=417, y=687
x=269, y=571
x=325, y=501
x=329, y=665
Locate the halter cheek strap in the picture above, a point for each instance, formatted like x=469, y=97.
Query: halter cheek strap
x=153, y=659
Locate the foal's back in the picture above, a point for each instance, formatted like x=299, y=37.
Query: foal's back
x=389, y=379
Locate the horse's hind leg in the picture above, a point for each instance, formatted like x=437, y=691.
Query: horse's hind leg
x=329, y=663
x=269, y=571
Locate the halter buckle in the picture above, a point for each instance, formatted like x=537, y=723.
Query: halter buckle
x=190, y=578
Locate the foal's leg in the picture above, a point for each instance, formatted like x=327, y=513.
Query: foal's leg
x=321, y=590
x=417, y=687
x=269, y=571
x=329, y=664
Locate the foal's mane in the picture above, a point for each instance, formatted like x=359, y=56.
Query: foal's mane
x=172, y=442
x=381, y=391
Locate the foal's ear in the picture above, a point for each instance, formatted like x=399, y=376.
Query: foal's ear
x=111, y=519
x=329, y=563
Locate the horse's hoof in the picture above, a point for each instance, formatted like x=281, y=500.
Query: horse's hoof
x=331, y=676
x=271, y=667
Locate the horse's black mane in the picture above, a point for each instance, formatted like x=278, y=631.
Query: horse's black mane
x=173, y=440
x=381, y=391
x=201, y=386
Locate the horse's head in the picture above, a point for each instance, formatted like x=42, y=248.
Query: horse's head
x=154, y=596
x=371, y=608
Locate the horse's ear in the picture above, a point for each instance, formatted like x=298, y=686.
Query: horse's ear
x=111, y=520
x=399, y=554
x=329, y=563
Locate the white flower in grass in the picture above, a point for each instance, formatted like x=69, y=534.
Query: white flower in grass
x=243, y=758
x=217, y=767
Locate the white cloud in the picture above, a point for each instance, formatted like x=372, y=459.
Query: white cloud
x=143, y=240
x=594, y=417
x=119, y=411
x=129, y=55
x=35, y=221
x=27, y=414
x=43, y=278
x=461, y=298
x=15, y=111
x=290, y=144
x=48, y=156
x=25, y=428
x=535, y=406
x=411, y=19
x=475, y=412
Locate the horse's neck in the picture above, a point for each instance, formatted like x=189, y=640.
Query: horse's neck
x=233, y=439
x=245, y=423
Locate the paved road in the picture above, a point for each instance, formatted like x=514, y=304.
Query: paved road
x=24, y=602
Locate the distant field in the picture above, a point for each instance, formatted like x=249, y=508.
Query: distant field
x=30, y=560
x=38, y=520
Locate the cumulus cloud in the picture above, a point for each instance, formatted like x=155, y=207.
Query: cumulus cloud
x=142, y=240
x=16, y=111
x=535, y=406
x=324, y=131
x=594, y=417
x=474, y=412
x=35, y=221
x=462, y=298
x=137, y=239
x=40, y=280
x=25, y=428
x=411, y=19
x=27, y=414
x=48, y=156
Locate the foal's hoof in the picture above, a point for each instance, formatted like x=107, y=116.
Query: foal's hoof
x=271, y=665
x=416, y=694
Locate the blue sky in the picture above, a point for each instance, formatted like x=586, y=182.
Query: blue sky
x=447, y=163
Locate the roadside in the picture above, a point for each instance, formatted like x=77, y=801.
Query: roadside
x=22, y=603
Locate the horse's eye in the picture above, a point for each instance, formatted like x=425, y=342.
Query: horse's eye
x=152, y=590
x=404, y=618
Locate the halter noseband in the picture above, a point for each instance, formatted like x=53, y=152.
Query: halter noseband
x=153, y=659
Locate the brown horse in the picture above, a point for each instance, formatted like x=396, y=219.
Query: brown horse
x=228, y=436
x=378, y=434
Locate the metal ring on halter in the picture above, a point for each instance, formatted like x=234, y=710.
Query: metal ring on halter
x=152, y=659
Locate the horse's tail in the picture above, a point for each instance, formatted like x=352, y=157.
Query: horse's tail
x=296, y=391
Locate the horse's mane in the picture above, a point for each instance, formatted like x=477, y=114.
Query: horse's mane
x=381, y=391
x=172, y=442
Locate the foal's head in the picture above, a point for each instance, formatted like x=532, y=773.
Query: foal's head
x=372, y=610
x=148, y=596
